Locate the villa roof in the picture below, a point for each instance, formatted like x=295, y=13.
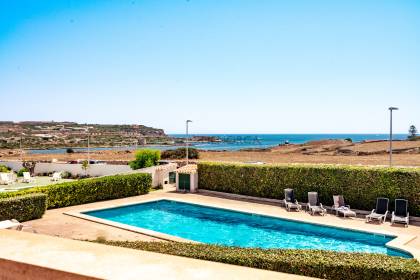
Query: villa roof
x=187, y=169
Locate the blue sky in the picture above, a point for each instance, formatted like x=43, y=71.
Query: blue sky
x=233, y=66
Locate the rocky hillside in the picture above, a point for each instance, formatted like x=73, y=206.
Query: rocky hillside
x=34, y=134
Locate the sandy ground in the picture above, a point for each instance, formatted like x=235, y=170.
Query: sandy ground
x=322, y=152
x=398, y=160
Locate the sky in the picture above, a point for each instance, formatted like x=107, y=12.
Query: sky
x=232, y=66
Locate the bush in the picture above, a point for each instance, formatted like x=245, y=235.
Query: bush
x=145, y=158
x=20, y=172
x=23, y=208
x=359, y=185
x=314, y=263
x=66, y=175
x=4, y=169
x=69, y=151
x=180, y=153
x=91, y=190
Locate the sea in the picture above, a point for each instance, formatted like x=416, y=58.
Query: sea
x=233, y=142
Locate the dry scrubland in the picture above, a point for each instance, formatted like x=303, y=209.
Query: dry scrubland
x=407, y=153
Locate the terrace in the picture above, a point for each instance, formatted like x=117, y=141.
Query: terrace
x=72, y=224
x=67, y=222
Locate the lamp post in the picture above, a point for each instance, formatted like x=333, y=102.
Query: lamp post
x=186, y=140
x=390, y=134
x=88, y=145
x=20, y=147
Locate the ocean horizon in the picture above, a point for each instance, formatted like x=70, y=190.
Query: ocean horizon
x=234, y=142
x=251, y=141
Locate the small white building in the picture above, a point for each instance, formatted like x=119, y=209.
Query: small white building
x=187, y=178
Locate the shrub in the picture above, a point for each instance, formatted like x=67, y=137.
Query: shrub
x=145, y=158
x=314, y=263
x=359, y=185
x=91, y=190
x=69, y=151
x=20, y=172
x=66, y=175
x=180, y=153
x=4, y=168
x=23, y=208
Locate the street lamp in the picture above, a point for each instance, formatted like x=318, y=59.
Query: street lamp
x=186, y=140
x=20, y=147
x=390, y=134
x=88, y=145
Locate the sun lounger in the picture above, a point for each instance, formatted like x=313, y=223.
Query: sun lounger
x=27, y=178
x=289, y=200
x=11, y=224
x=56, y=176
x=380, y=212
x=6, y=179
x=313, y=204
x=341, y=208
x=400, y=215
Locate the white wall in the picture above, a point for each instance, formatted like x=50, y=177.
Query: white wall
x=14, y=165
x=159, y=173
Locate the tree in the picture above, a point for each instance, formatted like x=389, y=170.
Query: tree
x=145, y=158
x=85, y=166
x=180, y=153
x=412, y=132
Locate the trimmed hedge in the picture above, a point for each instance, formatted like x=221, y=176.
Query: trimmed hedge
x=91, y=190
x=23, y=208
x=359, y=185
x=181, y=153
x=314, y=263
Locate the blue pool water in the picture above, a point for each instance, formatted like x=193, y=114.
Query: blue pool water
x=231, y=228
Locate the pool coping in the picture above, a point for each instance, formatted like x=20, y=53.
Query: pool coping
x=399, y=242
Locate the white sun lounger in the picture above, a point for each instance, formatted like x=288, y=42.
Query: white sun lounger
x=342, y=208
x=6, y=179
x=27, y=178
x=314, y=205
x=56, y=176
x=10, y=224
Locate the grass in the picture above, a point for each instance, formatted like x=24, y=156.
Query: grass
x=39, y=181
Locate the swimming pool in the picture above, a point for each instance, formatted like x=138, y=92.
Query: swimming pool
x=225, y=227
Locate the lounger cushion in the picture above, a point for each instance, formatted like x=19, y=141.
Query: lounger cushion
x=376, y=216
x=400, y=219
x=317, y=209
x=347, y=212
x=292, y=205
x=401, y=207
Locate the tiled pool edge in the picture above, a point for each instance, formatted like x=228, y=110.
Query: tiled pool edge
x=398, y=243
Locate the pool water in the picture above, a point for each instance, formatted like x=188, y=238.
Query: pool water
x=231, y=228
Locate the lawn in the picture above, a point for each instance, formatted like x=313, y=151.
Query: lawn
x=39, y=181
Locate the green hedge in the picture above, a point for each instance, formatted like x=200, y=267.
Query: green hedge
x=314, y=263
x=91, y=190
x=23, y=208
x=181, y=153
x=359, y=185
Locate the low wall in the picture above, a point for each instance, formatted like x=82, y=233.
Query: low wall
x=159, y=173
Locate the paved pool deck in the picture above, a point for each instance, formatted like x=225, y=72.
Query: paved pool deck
x=58, y=222
x=34, y=256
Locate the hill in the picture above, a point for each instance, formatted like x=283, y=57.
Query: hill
x=35, y=134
